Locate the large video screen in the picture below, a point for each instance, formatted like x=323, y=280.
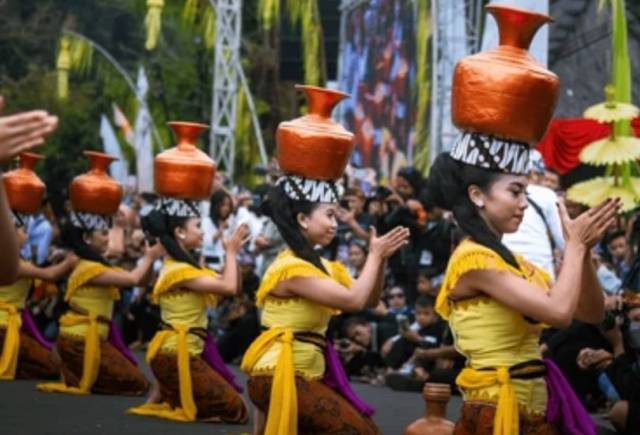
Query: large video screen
x=377, y=67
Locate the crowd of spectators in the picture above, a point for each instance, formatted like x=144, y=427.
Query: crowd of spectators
x=401, y=342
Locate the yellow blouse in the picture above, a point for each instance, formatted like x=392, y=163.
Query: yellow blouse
x=16, y=295
x=179, y=306
x=275, y=351
x=12, y=299
x=490, y=334
x=182, y=310
x=297, y=314
x=88, y=304
x=89, y=299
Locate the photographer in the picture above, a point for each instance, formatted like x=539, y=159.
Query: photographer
x=360, y=350
x=420, y=350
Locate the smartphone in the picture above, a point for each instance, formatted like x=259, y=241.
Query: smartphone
x=403, y=322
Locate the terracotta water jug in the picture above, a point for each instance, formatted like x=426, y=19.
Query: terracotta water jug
x=504, y=92
x=184, y=171
x=25, y=190
x=314, y=145
x=434, y=422
x=95, y=191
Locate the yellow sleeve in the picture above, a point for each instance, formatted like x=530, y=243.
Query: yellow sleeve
x=467, y=257
x=284, y=267
x=173, y=273
x=340, y=273
x=84, y=272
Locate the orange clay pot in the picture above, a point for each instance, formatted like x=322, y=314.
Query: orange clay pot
x=434, y=422
x=184, y=172
x=25, y=190
x=314, y=145
x=505, y=92
x=95, y=191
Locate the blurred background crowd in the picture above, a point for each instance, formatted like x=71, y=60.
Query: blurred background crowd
x=401, y=343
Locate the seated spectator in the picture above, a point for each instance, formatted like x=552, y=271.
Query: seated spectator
x=357, y=257
x=360, y=350
x=396, y=311
x=619, y=253
x=421, y=350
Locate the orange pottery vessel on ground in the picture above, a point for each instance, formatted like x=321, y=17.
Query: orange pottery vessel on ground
x=434, y=422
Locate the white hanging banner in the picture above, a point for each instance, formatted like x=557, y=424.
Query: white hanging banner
x=539, y=46
x=118, y=169
x=142, y=139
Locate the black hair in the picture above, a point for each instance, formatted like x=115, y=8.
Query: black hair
x=413, y=177
x=73, y=238
x=360, y=244
x=353, y=321
x=612, y=236
x=447, y=188
x=217, y=199
x=425, y=301
x=162, y=226
x=283, y=211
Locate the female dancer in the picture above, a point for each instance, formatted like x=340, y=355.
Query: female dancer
x=495, y=301
x=94, y=357
x=25, y=353
x=300, y=292
x=193, y=382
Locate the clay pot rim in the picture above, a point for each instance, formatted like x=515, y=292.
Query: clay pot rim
x=292, y=122
x=89, y=153
x=37, y=156
x=325, y=90
x=502, y=7
x=188, y=124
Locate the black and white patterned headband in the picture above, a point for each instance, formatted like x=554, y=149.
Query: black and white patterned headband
x=19, y=219
x=90, y=221
x=308, y=189
x=175, y=207
x=490, y=152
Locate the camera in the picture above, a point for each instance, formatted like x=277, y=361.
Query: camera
x=403, y=322
x=344, y=343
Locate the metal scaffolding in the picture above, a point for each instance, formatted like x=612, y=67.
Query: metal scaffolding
x=225, y=82
x=456, y=33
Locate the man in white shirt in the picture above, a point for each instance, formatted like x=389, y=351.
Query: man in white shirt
x=540, y=233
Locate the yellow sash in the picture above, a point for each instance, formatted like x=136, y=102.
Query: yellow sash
x=91, y=356
x=187, y=410
x=11, y=347
x=506, y=420
x=283, y=406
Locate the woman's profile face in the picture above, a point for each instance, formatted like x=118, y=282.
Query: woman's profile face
x=505, y=203
x=225, y=208
x=192, y=234
x=320, y=225
x=357, y=256
x=98, y=241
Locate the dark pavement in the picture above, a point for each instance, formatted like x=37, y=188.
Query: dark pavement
x=25, y=411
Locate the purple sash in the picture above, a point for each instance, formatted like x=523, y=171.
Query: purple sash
x=563, y=406
x=336, y=379
x=29, y=326
x=212, y=356
x=115, y=339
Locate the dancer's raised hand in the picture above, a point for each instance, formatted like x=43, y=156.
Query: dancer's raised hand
x=23, y=131
x=588, y=228
x=385, y=246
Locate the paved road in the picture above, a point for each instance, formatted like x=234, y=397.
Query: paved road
x=25, y=411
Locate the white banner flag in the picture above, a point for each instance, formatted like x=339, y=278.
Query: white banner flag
x=118, y=169
x=142, y=139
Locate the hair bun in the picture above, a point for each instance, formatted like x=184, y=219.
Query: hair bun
x=444, y=184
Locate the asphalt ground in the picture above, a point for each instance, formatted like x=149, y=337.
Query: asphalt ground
x=23, y=410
